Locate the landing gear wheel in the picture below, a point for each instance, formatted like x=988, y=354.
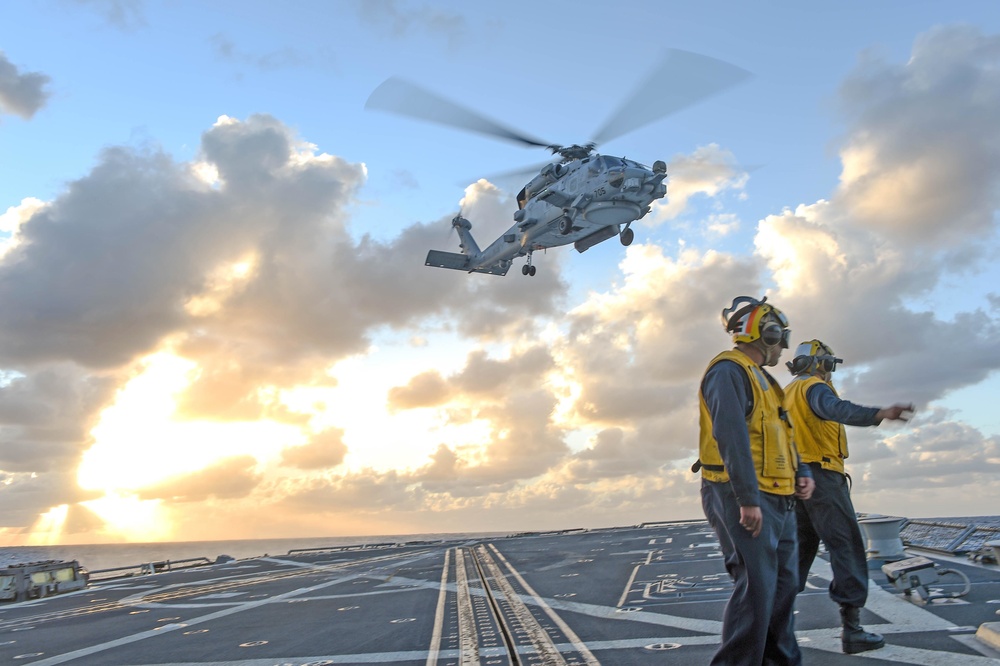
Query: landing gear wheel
x=531, y=271
x=627, y=237
x=526, y=269
x=565, y=226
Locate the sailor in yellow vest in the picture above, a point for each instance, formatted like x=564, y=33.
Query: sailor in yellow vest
x=750, y=479
x=818, y=416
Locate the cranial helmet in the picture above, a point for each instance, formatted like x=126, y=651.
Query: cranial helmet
x=812, y=356
x=749, y=319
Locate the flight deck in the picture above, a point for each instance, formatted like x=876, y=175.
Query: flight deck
x=647, y=594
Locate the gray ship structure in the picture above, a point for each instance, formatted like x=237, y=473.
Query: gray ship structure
x=646, y=594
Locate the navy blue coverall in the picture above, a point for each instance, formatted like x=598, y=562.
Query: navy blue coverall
x=758, y=623
x=829, y=514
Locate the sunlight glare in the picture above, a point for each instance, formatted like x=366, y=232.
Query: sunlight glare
x=131, y=518
x=48, y=528
x=137, y=443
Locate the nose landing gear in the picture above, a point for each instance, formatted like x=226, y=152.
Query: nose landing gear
x=528, y=269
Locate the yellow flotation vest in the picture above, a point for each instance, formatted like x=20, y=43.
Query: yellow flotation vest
x=818, y=440
x=774, y=455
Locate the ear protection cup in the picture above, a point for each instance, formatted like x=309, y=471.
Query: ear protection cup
x=799, y=365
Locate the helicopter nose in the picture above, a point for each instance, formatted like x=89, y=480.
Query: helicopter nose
x=659, y=166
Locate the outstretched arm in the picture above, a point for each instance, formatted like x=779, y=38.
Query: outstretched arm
x=826, y=405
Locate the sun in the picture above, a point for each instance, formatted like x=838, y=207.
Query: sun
x=138, y=444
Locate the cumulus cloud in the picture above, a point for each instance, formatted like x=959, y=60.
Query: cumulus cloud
x=46, y=416
x=26, y=495
x=21, y=94
x=244, y=263
x=708, y=172
x=324, y=450
x=225, y=479
x=241, y=261
x=923, y=158
x=848, y=269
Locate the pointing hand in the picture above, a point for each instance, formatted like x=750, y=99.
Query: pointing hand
x=895, y=413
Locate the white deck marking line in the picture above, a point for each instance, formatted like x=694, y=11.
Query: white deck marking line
x=663, y=620
x=468, y=635
x=435, y=649
x=302, y=565
x=579, y=645
x=143, y=635
x=890, y=606
x=628, y=585
x=829, y=641
x=890, y=653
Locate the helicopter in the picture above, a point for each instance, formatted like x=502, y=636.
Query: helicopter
x=582, y=197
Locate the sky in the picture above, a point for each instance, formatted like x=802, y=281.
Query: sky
x=217, y=323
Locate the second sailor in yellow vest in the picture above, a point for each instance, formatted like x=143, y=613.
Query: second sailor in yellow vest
x=818, y=416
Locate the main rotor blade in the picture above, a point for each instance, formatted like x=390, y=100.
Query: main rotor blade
x=516, y=178
x=679, y=81
x=404, y=98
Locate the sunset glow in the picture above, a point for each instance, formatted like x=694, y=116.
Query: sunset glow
x=219, y=321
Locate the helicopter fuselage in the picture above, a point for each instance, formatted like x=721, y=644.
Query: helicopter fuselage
x=582, y=201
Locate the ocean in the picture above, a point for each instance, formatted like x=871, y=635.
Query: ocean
x=95, y=557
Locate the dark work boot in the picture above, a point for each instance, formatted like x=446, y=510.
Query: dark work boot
x=854, y=638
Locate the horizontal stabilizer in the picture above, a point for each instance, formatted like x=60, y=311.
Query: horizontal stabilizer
x=439, y=259
x=460, y=262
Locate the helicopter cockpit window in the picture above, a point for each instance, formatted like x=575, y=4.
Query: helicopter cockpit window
x=611, y=162
x=522, y=198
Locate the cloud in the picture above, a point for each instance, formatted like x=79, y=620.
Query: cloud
x=428, y=389
x=397, y=22
x=126, y=15
x=245, y=263
x=709, y=171
x=140, y=239
x=848, y=269
x=230, y=478
x=923, y=158
x=21, y=94
x=45, y=417
x=282, y=58
x=325, y=450
x=240, y=261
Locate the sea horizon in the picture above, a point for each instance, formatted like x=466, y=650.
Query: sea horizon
x=98, y=557
x=101, y=556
